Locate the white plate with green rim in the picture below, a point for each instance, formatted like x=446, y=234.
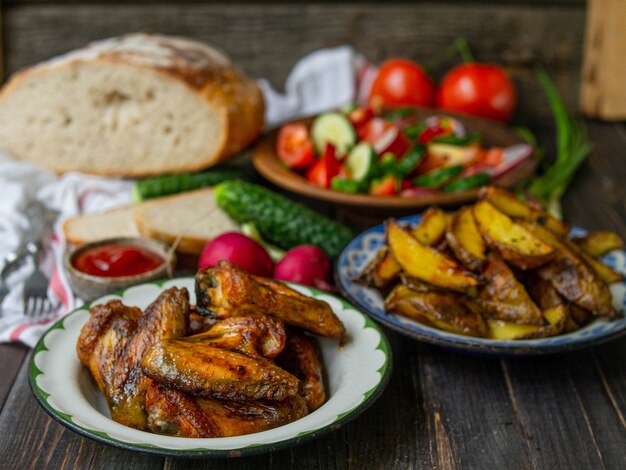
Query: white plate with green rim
x=356, y=374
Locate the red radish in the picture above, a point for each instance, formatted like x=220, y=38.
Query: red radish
x=394, y=141
x=305, y=264
x=239, y=249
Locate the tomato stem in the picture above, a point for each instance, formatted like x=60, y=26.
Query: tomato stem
x=463, y=49
x=459, y=47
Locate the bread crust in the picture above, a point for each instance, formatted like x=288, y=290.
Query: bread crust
x=202, y=69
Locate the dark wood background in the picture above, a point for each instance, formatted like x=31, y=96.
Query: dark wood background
x=441, y=409
x=267, y=38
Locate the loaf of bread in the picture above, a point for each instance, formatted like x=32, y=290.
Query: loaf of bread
x=188, y=220
x=134, y=105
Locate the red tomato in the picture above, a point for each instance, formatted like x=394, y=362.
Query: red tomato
x=294, y=146
x=326, y=168
x=360, y=117
x=384, y=137
x=386, y=187
x=401, y=82
x=482, y=90
x=430, y=133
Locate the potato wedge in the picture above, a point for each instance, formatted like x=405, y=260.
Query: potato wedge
x=501, y=330
x=445, y=310
x=604, y=272
x=432, y=227
x=515, y=243
x=572, y=277
x=426, y=263
x=508, y=204
x=381, y=271
x=465, y=240
x=580, y=315
x=599, y=243
x=503, y=297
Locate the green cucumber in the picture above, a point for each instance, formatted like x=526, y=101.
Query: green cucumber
x=465, y=184
x=413, y=131
x=346, y=185
x=361, y=162
x=281, y=221
x=409, y=162
x=333, y=128
x=387, y=164
x=453, y=139
x=164, y=185
x=436, y=178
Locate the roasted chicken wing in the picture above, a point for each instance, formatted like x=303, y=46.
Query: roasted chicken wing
x=113, y=342
x=203, y=369
x=254, y=335
x=301, y=359
x=229, y=291
x=177, y=413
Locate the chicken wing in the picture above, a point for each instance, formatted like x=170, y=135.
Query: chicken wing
x=254, y=335
x=176, y=413
x=301, y=359
x=113, y=342
x=229, y=291
x=202, y=369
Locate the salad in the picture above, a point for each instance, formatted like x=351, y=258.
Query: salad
x=361, y=150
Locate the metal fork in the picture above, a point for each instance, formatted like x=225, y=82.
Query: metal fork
x=36, y=302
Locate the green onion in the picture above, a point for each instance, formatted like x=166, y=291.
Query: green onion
x=572, y=149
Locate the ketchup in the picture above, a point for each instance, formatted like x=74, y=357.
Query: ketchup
x=117, y=260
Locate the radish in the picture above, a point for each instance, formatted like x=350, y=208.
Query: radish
x=417, y=192
x=239, y=249
x=305, y=264
x=513, y=156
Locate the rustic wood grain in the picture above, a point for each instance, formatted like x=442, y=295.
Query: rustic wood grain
x=31, y=439
x=267, y=40
x=11, y=357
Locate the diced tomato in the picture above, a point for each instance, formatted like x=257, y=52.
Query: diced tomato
x=493, y=156
x=373, y=130
x=385, y=187
x=294, y=146
x=360, y=117
x=406, y=184
x=393, y=141
x=326, y=168
x=431, y=132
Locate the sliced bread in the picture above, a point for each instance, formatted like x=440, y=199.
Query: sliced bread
x=191, y=218
x=134, y=105
x=119, y=222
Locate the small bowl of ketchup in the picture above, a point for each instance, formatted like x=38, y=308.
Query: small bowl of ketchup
x=99, y=268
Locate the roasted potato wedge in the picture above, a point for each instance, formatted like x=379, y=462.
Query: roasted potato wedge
x=556, y=317
x=572, y=277
x=465, y=240
x=432, y=227
x=426, y=263
x=515, y=243
x=382, y=270
x=508, y=204
x=604, y=272
x=503, y=297
x=599, y=243
x=445, y=310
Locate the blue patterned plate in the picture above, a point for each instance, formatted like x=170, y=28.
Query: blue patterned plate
x=363, y=248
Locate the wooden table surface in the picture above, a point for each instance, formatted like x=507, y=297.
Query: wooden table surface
x=440, y=409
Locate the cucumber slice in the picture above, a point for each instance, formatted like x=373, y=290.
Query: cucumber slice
x=333, y=128
x=361, y=162
x=437, y=178
x=346, y=185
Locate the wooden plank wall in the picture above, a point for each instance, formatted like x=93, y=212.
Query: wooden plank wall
x=266, y=38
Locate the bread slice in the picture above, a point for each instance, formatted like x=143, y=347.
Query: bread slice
x=134, y=105
x=191, y=218
x=119, y=222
